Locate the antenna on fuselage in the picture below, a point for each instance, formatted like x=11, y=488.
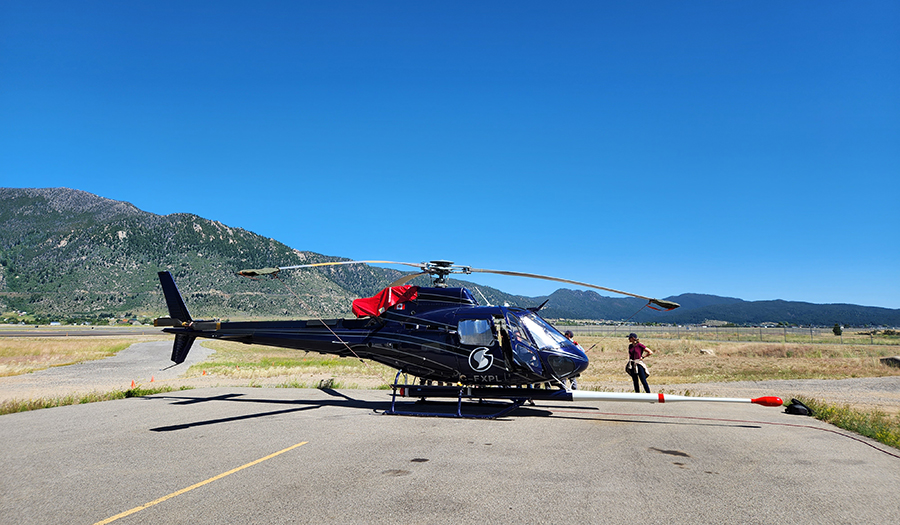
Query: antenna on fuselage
x=488, y=303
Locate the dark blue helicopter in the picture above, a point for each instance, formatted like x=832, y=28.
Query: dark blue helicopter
x=437, y=334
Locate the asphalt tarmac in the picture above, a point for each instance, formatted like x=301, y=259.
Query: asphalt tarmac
x=273, y=455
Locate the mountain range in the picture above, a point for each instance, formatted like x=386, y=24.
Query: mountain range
x=71, y=255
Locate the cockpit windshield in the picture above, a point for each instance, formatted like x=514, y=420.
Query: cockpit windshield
x=542, y=333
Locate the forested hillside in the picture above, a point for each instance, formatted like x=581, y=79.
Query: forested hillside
x=69, y=252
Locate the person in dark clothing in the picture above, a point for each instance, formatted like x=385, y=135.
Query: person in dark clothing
x=636, y=367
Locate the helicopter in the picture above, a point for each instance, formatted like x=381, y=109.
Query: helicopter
x=440, y=334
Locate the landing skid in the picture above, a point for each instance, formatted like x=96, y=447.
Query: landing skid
x=516, y=398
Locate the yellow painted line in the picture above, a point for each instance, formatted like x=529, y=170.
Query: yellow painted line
x=196, y=485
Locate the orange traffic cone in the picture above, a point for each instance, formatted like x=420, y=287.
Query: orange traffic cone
x=151, y=379
x=132, y=383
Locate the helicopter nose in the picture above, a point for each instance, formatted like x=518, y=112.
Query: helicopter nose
x=572, y=361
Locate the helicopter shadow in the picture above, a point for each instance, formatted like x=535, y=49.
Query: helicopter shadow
x=435, y=408
x=480, y=410
x=291, y=406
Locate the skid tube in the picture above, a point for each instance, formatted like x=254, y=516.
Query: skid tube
x=516, y=398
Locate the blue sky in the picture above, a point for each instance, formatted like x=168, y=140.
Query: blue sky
x=739, y=148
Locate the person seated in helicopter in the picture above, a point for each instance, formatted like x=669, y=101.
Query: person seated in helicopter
x=519, y=345
x=518, y=335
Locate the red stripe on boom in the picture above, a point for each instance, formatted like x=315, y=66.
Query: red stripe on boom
x=662, y=399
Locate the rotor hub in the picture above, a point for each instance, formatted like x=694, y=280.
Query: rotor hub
x=439, y=270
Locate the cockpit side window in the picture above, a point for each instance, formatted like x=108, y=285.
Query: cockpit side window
x=522, y=346
x=477, y=332
x=542, y=333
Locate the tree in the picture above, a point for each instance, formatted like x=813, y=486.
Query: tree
x=837, y=329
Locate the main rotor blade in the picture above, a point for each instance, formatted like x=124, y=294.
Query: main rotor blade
x=406, y=278
x=667, y=305
x=447, y=268
x=252, y=272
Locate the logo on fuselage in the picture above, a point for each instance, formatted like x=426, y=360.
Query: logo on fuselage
x=480, y=360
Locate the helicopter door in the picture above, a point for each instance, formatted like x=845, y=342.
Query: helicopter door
x=477, y=336
x=522, y=348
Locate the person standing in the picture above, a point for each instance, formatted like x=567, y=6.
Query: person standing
x=636, y=367
x=570, y=336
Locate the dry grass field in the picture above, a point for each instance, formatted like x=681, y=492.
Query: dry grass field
x=691, y=361
x=21, y=355
x=291, y=368
x=674, y=361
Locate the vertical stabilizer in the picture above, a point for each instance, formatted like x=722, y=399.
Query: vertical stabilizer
x=177, y=309
x=182, y=347
x=179, y=313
